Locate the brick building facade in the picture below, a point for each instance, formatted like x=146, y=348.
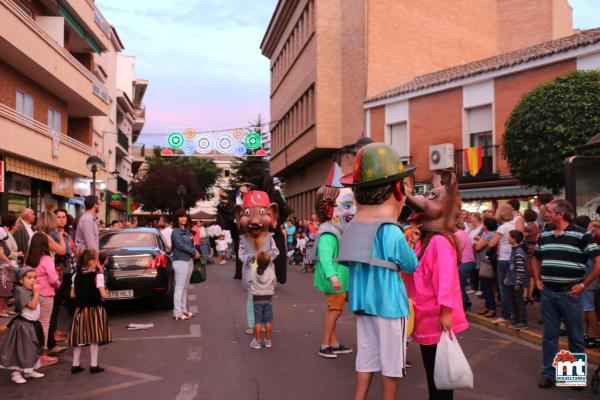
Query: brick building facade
x=468, y=105
x=328, y=56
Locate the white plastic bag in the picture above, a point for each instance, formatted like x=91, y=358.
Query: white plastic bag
x=452, y=370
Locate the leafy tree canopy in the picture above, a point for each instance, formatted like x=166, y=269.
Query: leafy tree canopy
x=158, y=189
x=204, y=169
x=549, y=124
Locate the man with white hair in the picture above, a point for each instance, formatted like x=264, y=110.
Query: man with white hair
x=25, y=229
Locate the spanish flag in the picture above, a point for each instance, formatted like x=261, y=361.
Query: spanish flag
x=473, y=160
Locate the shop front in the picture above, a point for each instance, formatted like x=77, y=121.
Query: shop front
x=482, y=199
x=116, y=207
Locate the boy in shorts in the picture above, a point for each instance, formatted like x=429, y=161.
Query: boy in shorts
x=261, y=282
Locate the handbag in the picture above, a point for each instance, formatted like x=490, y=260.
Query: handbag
x=486, y=271
x=452, y=370
x=199, y=272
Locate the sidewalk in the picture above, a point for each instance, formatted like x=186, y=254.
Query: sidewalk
x=533, y=334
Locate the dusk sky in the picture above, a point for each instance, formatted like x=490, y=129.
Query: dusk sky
x=203, y=60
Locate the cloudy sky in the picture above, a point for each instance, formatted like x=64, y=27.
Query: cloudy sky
x=203, y=61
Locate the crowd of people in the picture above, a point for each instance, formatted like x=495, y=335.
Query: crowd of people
x=45, y=263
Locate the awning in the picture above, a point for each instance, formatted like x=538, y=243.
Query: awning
x=71, y=21
x=501, y=192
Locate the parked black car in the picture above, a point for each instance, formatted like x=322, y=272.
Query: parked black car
x=138, y=266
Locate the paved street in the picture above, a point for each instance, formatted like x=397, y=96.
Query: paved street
x=208, y=356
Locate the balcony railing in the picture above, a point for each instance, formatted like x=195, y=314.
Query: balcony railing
x=97, y=87
x=122, y=185
x=22, y=119
x=488, y=170
x=123, y=140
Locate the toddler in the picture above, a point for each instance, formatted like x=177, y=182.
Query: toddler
x=90, y=322
x=25, y=342
x=221, y=246
x=261, y=282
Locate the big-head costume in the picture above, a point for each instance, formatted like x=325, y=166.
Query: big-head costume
x=335, y=207
x=255, y=217
x=375, y=250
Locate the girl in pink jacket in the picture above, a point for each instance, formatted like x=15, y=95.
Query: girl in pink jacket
x=39, y=258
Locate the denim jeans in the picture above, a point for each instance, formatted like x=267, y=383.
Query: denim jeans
x=465, y=271
x=505, y=294
x=250, y=310
x=183, y=273
x=518, y=304
x=487, y=287
x=556, y=306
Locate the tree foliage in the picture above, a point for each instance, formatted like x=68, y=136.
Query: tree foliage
x=549, y=124
x=250, y=169
x=204, y=169
x=157, y=190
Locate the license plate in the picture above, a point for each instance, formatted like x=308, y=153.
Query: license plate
x=120, y=294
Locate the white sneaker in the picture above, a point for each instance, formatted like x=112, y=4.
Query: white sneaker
x=254, y=344
x=16, y=377
x=479, y=293
x=268, y=343
x=499, y=321
x=34, y=375
x=470, y=291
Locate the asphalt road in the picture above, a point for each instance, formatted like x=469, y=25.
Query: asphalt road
x=207, y=357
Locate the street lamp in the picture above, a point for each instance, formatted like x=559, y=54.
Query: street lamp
x=94, y=163
x=181, y=191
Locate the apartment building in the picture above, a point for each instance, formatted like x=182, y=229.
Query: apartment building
x=467, y=106
x=58, y=103
x=327, y=57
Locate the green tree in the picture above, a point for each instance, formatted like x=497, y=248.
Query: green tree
x=158, y=189
x=250, y=169
x=205, y=170
x=549, y=124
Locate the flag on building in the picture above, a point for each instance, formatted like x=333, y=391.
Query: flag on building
x=473, y=160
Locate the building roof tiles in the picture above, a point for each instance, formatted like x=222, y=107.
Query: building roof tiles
x=579, y=39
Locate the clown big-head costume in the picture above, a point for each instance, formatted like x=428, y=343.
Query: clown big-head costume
x=256, y=216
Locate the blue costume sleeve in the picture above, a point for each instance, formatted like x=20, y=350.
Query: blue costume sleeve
x=396, y=248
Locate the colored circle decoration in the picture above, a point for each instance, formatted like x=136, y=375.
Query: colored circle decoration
x=188, y=149
x=175, y=140
x=240, y=149
x=204, y=143
x=190, y=133
x=253, y=140
x=225, y=143
x=238, y=133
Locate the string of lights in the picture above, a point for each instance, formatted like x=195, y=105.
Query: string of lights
x=215, y=130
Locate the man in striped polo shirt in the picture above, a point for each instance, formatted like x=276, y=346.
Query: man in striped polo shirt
x=563, y=253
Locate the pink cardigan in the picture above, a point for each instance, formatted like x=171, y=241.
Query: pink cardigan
x=435, y=283
x=47, y=277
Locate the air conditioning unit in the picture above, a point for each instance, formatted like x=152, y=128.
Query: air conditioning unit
x=421, y=188
x=441, y=156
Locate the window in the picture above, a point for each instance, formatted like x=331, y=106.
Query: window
x=397, y=137
x=480, y=134
x=54, y=120
x=24, y=104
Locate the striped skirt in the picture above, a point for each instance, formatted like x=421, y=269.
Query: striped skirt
x=90, y=325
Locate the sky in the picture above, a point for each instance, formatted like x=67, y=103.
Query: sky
x=203, y=61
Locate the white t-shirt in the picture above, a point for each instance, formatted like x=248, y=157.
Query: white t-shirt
x=504, y=249
x=221, y=244
x=227, y=235
x=301, y=243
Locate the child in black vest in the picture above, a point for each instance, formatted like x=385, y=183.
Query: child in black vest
x=517, y=278
x=90, y=322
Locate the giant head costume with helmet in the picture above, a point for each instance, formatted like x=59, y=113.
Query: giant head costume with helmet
x=255, y=217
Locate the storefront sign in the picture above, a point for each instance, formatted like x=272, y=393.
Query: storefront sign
x=20, y=184
x=1, y=176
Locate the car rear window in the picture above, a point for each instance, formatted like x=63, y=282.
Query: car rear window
x=115, y=240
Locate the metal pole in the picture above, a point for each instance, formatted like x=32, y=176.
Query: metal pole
x=94, y=180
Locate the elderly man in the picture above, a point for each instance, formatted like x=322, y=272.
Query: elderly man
x=25, y=229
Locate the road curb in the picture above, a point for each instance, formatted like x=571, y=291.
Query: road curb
x=528, y=335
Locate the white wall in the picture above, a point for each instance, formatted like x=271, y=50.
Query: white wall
x=588, y=62
x=125, y=66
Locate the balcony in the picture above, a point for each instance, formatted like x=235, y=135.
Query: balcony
x=123, y=141
x=29, y=49
x=489, y=165
x=43, y=145
x=122, y=185
x=86, y=13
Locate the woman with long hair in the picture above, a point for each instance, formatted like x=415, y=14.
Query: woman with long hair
x=39, y=258
x=183, y=255
x=47, y=224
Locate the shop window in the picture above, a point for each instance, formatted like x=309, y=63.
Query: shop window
x=24, y=104
x=54, y=120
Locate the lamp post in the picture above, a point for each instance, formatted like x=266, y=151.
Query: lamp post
x=181, y=191
x=94, y=163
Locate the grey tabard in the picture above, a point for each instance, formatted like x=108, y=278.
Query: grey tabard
x=325, y=227
x=357, y=244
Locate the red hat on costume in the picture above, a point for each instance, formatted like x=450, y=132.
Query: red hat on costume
x=256, y=198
